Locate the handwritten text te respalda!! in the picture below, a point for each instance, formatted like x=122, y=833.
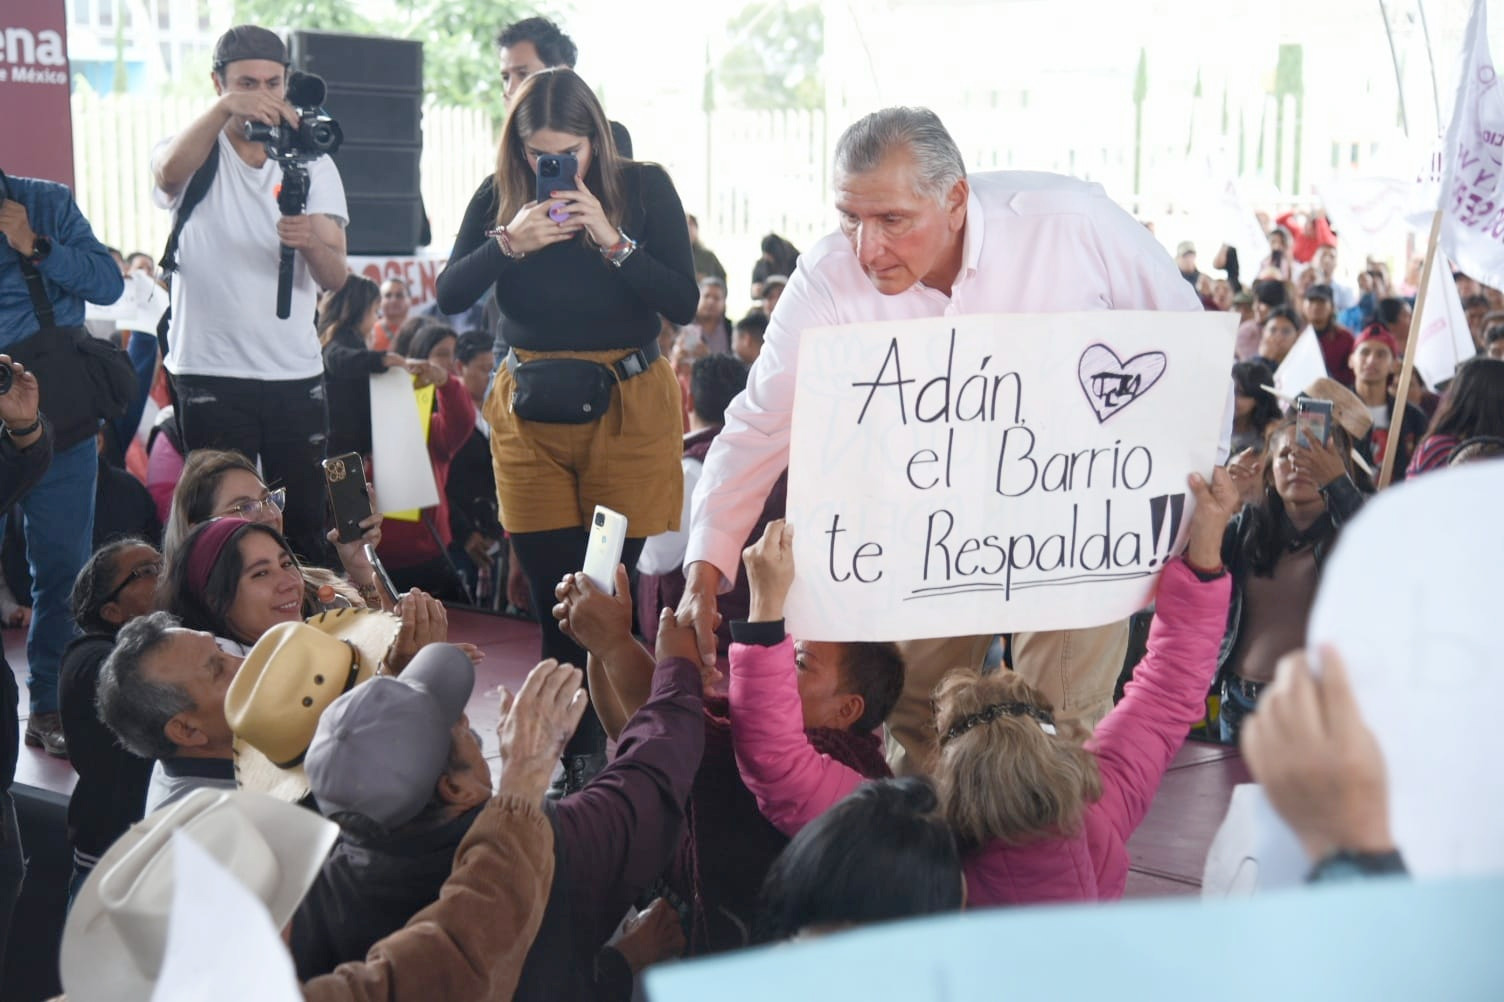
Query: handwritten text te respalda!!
x=1095, y=539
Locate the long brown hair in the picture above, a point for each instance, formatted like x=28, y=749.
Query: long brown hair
x=193, y=497
x=557, y=100
x=1008, y=779
x=347, y=306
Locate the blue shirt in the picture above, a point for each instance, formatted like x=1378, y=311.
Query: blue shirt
x=78, y=268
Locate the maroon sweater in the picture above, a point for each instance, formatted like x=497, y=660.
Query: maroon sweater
x=729, y=845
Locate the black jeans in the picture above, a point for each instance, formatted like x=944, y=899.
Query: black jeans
x=546, y=557
x=283, y=422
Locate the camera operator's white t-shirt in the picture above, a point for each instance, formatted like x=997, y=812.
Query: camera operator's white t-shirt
x=224, y=295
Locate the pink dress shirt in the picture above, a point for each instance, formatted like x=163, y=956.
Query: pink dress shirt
x=1034, y=243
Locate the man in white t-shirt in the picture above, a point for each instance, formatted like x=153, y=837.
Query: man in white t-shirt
x=244, y=379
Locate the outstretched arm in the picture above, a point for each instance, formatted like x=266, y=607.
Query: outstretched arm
x=793, y=783
x=620, y=669
x=1136, y=742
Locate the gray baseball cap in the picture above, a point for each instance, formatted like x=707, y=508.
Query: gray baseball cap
x=380, y=749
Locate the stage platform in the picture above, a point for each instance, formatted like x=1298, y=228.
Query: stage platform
x=1168, y=851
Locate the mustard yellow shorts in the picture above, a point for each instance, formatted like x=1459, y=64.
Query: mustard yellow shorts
x=551, y=476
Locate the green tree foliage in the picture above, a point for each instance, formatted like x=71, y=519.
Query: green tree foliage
x=459, y=51
x=459, y=54
x=774, y=59
x=310, y=15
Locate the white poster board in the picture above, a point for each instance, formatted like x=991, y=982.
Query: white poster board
x=404, y=473
x=1408, y=599
x=965, y=475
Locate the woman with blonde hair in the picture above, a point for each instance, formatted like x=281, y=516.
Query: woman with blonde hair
x=1042, y=817
x=584, y=410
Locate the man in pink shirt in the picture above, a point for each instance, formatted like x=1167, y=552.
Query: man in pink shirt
x=918, y=238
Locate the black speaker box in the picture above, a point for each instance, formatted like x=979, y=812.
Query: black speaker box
x=375, y=92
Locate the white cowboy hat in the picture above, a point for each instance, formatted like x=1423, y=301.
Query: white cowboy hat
x=116, y=934
x=287, y=681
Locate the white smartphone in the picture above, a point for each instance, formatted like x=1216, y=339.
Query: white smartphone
x=608, y=533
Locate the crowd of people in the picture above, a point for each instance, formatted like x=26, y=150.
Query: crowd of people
x=678, y=776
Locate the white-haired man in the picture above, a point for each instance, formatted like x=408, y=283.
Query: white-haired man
x=918, y=238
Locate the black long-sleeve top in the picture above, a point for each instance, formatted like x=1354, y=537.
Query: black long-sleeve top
x=111, y=791
x=566, y=297
x=348, y=367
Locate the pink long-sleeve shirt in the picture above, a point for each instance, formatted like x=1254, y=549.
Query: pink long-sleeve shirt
x=793, y=783
x=1033, y=243
x=1134, y=746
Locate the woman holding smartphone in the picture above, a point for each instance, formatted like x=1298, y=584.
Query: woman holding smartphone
x=583, y=409
x=1274, y=549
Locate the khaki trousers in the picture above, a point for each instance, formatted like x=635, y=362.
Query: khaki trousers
x=1075, y=669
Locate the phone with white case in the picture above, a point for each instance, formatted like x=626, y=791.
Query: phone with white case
x=608, y=534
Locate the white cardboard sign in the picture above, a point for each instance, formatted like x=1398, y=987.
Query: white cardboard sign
x=404, y=473
x=965, y=475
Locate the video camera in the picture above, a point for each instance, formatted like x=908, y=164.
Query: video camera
x=316, y=134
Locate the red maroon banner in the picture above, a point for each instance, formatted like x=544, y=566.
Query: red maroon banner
x=35, y=116
x=420, y=273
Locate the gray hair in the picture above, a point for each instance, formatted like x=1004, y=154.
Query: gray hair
x=938, y=163
x=132, y=706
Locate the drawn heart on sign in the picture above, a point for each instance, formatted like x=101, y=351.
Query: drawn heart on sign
x=1110, y=384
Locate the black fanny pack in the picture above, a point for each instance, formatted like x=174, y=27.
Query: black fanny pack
x=571, y=390
x=83, y=380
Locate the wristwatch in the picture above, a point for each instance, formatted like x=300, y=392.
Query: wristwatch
x=40, y=248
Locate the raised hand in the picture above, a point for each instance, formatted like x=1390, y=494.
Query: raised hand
x=535, y=725
x=1318, y=762
x=1216, y=503
x=770, y=571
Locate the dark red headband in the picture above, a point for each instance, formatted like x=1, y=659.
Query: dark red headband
x=208, y=546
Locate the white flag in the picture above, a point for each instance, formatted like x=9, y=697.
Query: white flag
x=1472, y=200
x=1368, y=209
x=1302, y=367
x=1440, y=335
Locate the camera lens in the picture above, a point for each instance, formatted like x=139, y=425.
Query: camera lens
x=600, y=519
x=550, y=168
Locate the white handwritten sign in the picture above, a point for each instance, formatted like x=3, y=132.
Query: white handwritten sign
x=965, y=475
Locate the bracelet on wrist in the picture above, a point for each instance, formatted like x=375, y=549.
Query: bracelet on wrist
x=618, y=252
x=27, y=430
x=506, y=244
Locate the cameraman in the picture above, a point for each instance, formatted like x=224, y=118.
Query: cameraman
x=244, y=379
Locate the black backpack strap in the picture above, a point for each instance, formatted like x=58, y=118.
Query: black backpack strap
x=39, y=301
x=198, y=187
